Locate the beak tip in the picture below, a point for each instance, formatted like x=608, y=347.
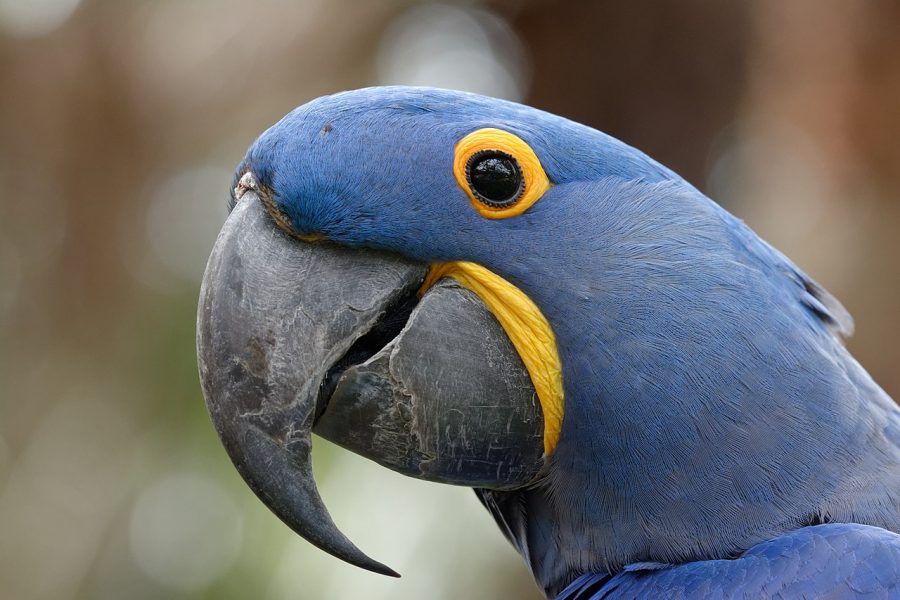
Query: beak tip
x=381, y=569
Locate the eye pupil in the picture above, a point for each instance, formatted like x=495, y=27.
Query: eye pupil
x=495, y=178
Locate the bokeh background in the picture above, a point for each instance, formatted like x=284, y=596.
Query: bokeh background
x=120, y=124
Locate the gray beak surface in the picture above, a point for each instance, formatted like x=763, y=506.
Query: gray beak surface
x=295, y=337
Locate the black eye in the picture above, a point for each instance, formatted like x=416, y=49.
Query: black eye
x=495, y=178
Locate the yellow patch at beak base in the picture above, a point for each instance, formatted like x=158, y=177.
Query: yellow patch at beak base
x=528, y=330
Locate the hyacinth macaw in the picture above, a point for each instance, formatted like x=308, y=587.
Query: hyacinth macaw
x=649, y=399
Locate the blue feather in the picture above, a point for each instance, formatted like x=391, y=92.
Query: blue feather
x=825, y=561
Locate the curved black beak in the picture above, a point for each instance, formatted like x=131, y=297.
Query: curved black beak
x=294, y=337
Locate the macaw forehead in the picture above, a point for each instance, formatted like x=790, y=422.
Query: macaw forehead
x=358, y=166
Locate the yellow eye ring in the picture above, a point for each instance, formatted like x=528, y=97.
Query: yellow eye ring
x=500, y=173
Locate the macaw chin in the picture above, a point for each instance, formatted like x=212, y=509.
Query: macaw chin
x=475, y=292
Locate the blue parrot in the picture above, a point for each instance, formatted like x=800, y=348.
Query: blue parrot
x=649, y=399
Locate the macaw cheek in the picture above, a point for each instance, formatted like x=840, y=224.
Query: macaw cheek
x=448, y=400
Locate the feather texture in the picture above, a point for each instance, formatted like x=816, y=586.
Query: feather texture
x=825, y=561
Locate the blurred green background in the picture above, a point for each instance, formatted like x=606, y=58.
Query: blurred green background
x=120, y=124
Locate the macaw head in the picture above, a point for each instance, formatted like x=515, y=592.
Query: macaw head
x=476, y=292
x=432, y=174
